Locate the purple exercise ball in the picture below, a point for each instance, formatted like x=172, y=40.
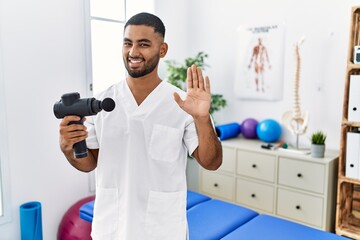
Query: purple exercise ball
x=248, y=128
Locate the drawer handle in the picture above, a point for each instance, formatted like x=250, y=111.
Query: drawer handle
x=298, y=207
x=254, y=166
x=299, y=175
x=253, y=195
x=216, y=185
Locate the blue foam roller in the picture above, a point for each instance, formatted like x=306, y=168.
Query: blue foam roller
x=227, y=131
x=30, y=221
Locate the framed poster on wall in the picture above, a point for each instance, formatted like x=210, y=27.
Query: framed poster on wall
x=260, y=62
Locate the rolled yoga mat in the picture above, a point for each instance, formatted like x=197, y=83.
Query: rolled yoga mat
x=30, y=221
x=227, y=131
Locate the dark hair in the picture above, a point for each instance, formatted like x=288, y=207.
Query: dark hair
x=147, y=19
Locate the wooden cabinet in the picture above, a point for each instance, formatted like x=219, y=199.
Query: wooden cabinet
x=276, y=182
x=348, y=195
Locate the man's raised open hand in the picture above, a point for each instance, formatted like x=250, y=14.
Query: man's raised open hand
x=198, y=98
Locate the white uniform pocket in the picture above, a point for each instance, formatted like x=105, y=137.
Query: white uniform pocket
x=106, y=213
x=165, y=143
x=166, y=216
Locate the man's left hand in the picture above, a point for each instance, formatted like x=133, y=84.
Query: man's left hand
x=198, y=98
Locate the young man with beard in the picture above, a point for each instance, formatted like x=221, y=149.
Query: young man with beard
x=140, y=149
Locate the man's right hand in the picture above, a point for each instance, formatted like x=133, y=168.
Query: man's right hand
x=71, y=134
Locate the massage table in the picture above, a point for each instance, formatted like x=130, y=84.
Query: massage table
x=213, y=219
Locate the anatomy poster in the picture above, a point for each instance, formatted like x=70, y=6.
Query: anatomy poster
x=260, y=61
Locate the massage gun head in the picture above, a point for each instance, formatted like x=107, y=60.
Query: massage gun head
x=71, y=104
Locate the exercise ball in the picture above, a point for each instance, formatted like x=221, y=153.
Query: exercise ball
x=72, y=227
x=268, y=130
x=248, y=128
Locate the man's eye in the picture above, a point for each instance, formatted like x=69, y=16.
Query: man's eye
x=144, y=45
x=127, y=44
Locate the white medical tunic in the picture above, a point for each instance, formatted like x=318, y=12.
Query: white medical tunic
x=141, y=169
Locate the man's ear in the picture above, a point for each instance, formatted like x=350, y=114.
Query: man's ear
x=163, y=49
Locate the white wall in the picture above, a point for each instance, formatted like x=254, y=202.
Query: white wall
x=43, y=56
x=211, y=27
x=175, y=15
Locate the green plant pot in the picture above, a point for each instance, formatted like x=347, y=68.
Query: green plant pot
x=317, y=151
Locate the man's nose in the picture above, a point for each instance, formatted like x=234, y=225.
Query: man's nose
x=133, y=51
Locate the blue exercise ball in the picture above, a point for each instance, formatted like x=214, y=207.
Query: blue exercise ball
x=268, y=130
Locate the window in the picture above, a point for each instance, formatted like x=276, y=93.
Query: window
x=104, y=40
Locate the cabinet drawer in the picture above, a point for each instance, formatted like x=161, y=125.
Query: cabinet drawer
x=229, y=160
x=304, y=175
x=255, y=165
x=218, y=185
x=300, y=207
x=255, y=195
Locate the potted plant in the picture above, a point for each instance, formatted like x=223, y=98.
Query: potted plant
x=318, y=144
x=176, y=75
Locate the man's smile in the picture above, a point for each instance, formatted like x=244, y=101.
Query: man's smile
x=135, y=62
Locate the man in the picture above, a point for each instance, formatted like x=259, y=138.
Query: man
x=259, y=54
x=140, y=149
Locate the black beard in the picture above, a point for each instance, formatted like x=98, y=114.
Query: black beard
x=148, y=68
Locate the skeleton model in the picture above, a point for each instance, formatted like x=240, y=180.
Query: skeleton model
x=296, y=120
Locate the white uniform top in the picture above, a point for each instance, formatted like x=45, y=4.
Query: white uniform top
x=141, y=169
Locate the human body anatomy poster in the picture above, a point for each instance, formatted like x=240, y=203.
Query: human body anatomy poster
x=260, y=61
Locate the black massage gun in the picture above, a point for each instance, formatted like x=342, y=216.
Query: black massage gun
x=71, y=104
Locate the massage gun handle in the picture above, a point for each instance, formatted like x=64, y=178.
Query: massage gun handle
x=80, y=148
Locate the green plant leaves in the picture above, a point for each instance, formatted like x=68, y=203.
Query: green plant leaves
x=318, y=138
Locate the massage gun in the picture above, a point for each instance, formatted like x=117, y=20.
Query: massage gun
x=71, y=104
